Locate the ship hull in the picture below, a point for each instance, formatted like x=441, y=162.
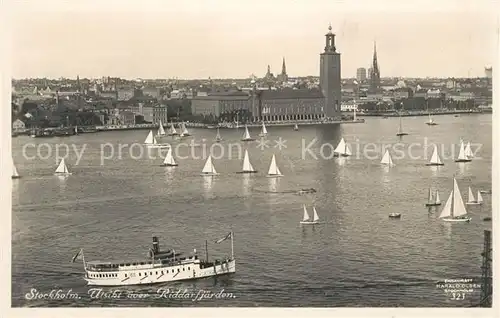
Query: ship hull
x=432, y=204
x=435, y=164
x=463, y=160
x=153, y=275
x=309, y=222
x=249, y=139
x=457, y=219
x=402, y=134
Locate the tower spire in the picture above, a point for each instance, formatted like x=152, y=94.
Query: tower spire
x=283, y=67
x=375, y=71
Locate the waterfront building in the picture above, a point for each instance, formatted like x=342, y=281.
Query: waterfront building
x=126, y=118
x=159, y=114
x=330, y=76
x=361, y=74
x=220, y=103
x=18, y=125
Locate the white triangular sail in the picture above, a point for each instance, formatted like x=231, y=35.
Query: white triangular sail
x=430, y=119
x=435, y=157
x=264, y=130
x=209, y=167
x=471, y=196
x=446, y=212
x=172, y=129
x=461, y=154
x=15, y=174
x=184, y=130
x=247, y=134
x=479, y=197
x=400, y=129
x=430, y=196
x=218, y=137
x=169, y=159
x=315, y=214
x=438, y=200
x=306, y=215
x=296, y=127
x=347, y=150
x=62, y=167
x=468, y=151
x=386, y=159
x=247, y=166
x=458, y=204
x=273, y=168
x=340, y=147
x=161, y=131
x=150, y=138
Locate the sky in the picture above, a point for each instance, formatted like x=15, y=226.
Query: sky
x=234, y=39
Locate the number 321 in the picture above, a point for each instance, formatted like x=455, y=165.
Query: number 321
x=457, y=296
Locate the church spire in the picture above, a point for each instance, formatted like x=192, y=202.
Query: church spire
x=375, y=71
x=283, y=67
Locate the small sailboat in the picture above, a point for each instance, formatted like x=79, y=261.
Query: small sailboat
x=468, y=151
x=400, y=129
x=173, y=131
x=431, y=121
x=461, y=155
x=161, y=131
x=62, y=169
x=433, y=200
x=247, y=166
x=296, y=127
x=246, y=136
x=218, y=138
x=169, y=160
x=472, y=200
x=184, y=130
x=307, y=219
x=435, y=160
x=485, y=191
x=395, y=215
x=209, y=169
x=151, y=141
x=274, y=171
x=15, y=174
x=263, y=132
x=342, y=149
x=386, y=159
x=454, y=210
x=76, y=130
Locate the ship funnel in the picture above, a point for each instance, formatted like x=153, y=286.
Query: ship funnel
x=156, y=245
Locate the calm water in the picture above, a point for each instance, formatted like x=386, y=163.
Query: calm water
x=359, y=257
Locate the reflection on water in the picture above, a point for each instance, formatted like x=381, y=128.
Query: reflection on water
x=273, y=184
x=62, y=182
x=446, y=228
x=463, y=167
x=208, y=183
x=169, y=174
x=342, y=161
x=246, y=184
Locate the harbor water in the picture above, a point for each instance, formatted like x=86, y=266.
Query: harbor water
x=358, y=257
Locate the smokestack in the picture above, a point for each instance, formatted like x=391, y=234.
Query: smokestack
x=156, y=245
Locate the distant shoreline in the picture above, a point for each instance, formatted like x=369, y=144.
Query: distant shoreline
x=408, y=114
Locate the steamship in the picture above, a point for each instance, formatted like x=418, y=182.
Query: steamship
x=161, y=267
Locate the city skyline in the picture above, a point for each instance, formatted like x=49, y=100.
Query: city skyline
x=218, y=39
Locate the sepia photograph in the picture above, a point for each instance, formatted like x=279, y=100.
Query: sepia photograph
x=280, y=153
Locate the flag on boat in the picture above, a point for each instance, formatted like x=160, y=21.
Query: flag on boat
x=77, y=256
x=225, y=238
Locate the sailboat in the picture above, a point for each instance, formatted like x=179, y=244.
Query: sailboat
x=218, y=138
x=209, y=169
x=400, y=130
x=184, y=130
x=246, y=136
x=461, y=155
x=472, y=200
x=342, y=149
x=76, y=130
x=431, y=121
x=161, y=131
x=386, y=159
x=296, y=127
x=307, y=219
x=263, y=132
x=468, y=151
x=151, y=141
x=62, y=169
x=15, y=174
x=247, y=166
x=435, y=160
x=274, y=171
x=433, y=200
x=173, y=132
x=454, y=209
x=169, y=160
